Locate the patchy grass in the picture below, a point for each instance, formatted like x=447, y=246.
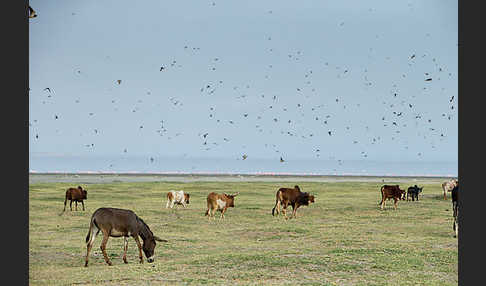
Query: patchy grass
x=342, y=239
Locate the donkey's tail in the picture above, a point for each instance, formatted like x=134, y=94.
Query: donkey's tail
x=91, y=224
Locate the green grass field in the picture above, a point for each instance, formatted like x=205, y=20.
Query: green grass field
x=342, y=239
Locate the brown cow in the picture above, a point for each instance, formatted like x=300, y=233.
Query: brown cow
x=76, y=195
x=391, y=192
x=220, y=202
x=294, y=197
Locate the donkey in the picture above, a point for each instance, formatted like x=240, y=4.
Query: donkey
x=120, y=222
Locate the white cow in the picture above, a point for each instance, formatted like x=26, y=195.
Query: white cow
x=177, y=197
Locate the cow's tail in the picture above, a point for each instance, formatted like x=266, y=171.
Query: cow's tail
x=277, y=202
x=382, y=195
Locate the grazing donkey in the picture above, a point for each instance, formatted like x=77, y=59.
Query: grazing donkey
x=120, y=222
x=76, y=195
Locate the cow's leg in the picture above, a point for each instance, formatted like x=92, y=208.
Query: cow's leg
x=167, y=204
x=278, y=207
x=456, y=227
x=383, y=203
x=71, y=205
x=294, y=210
x=76, y=205
x=284, y=210
x=445, y=195
x=89, y=245
x=103, y=246
x=395, y=200
x=140, y=255
x=125, y=248
x=65, y=201
x=184, y=204
x=222, y=214
x=172, y=204
x=82, y=202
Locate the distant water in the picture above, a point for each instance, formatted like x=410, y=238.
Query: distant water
x=74, y=164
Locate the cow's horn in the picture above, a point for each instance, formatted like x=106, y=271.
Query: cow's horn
x=237, y=193
x=160, y=239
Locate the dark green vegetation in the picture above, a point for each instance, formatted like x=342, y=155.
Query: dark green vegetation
x=342, y=239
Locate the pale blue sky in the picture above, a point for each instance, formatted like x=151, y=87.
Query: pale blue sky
x=303, y=52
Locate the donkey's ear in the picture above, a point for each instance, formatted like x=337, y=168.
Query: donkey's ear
x=159, y=239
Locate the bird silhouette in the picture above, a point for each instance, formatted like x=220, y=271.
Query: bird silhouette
x=32, y=13
x=119, y=81
x=281, y=160
x=48, y=89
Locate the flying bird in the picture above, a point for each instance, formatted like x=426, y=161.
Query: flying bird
x=48, y=89
x=429, y=79
x=244, y=156
x=32, y=13
x=119, y=81
x=281, y=160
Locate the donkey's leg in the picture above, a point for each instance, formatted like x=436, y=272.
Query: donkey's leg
x=140, y=255
x=90, y=243
x=125, y=248
x=103, y=246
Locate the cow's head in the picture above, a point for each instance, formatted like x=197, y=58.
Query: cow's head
x=305, y=199
x=311, y=199
x=230, y=199
x=186, y=198
x=402, y=194
x=84, y=194
x=297, y=188
x=420, y=189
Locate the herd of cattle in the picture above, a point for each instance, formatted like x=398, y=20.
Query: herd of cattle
x=113, y=222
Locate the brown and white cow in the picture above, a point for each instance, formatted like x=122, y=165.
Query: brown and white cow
x=448, y=186
x=391, y=192
x=177, y=197
x=293, y=197
x=220, y=202
x=76, y=195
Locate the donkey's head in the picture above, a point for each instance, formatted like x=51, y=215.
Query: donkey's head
x=149, y=247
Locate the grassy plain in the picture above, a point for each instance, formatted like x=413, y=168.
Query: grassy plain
x=342, y=239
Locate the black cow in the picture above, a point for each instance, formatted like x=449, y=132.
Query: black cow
x=413, y=192
x=455, y=210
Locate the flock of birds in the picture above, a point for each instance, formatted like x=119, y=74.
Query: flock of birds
x=397, y=108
